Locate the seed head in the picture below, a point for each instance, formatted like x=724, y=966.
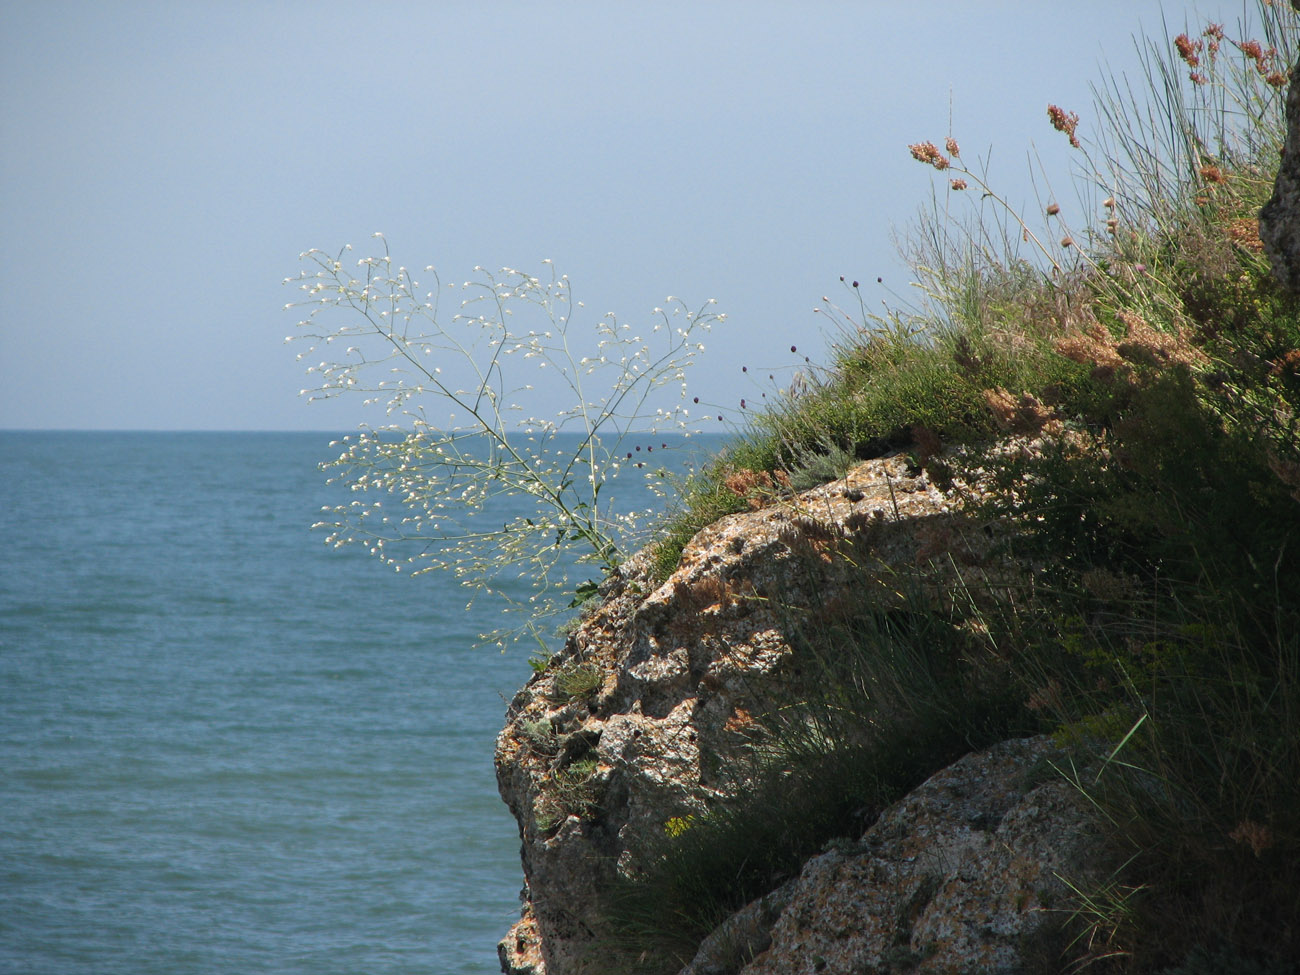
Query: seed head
x=1213, y=174
x=1251, y=49
x=1253, y=834
x=1053, y=209
x=928, y=152
x=958, y=184
x=1064, y=121
x=1188, y=49
x=951, y=145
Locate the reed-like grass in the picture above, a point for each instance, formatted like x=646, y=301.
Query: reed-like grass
x=1156, y=365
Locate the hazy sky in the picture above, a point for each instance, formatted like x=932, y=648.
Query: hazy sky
x=163, y=165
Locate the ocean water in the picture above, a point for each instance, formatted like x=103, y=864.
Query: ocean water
x=224, y=746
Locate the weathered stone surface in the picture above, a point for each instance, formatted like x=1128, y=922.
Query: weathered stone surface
x=520, y=951
x=957, y=877
x=680, y=668
x=1279, y=220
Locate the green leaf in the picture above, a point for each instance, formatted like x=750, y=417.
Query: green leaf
x=585, y=592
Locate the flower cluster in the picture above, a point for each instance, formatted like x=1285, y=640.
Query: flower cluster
x=1189, y=50
x=1065, y=122
x=928, y=152
x=1264, y=59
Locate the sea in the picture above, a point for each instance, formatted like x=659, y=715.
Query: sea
x=226, y=747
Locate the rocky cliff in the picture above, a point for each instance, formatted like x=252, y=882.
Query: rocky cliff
x=653, y=710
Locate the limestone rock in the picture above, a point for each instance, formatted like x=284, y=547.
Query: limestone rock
x=640, y=716
x=520, y=950
x=1279, y=220
x=959, y=876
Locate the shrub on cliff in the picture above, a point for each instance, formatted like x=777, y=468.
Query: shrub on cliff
x=429, y=475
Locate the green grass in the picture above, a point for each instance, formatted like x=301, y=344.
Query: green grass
x=577, y=680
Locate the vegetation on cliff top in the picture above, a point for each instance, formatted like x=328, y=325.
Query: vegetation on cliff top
x=1150, y=367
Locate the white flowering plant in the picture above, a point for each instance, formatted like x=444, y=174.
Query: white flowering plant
x=456, y=388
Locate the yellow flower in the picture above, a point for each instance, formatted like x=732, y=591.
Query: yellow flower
x=678, y=825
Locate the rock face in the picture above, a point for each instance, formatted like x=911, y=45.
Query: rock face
x=588, y=771
x=650, y=708
x=960, y=876
x=1279, y=220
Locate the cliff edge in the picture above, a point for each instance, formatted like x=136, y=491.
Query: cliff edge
x=654, y=710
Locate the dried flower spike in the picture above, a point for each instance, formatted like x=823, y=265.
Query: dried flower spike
x=1065, y=122
x=1255, y=835
x=951, y=145
x=1188, y=49
x=928, y=152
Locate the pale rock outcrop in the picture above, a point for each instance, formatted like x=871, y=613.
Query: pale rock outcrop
x=963, y=875
x=649, y=710
x=681, y=667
